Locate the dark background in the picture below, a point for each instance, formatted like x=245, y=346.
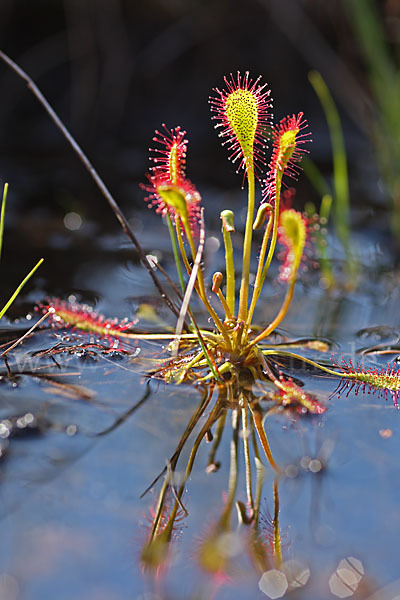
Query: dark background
x=114, y=70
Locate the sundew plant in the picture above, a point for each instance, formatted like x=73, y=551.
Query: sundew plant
x=235, y=362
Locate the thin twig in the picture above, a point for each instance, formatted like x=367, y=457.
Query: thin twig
x=2, y=212
x=95, y=176
x=168, y=278
x=19, y=340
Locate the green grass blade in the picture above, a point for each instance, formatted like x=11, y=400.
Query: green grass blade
x=2, y=214
x=340, y=174
x=19, y=288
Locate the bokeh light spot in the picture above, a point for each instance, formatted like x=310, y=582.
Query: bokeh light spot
x=73, y=221
x=345, y=580
x=273, y=584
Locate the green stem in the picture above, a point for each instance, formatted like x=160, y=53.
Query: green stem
x=260, y=282
x=280, y=316
x=308, y=361
x=207, y=354
x=210, y=361
x=221, y=298
x=244, y=286
x=257, y=286
x=278, y=184
x=176, y=253
x=163, y=336
x=19, y=288
x=230, y=271
x=201, y=287
x=200, y=278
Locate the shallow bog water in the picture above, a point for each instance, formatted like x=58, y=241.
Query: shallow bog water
x=73, y=523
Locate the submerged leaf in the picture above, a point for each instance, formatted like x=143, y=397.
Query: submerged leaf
x=290, y=394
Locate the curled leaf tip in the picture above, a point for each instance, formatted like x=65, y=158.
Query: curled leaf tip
x=288, y=138
x=170, y=192
x=228, y=221
x=216, y=282
x=263, y=209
